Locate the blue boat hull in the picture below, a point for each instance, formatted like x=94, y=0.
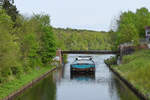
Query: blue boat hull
x=83, y=67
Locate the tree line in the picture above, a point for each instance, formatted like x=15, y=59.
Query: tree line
x=26, y=43
x=130, y=26
x=73, y=39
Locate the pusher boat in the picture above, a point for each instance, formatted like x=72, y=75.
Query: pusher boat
x=83, y=64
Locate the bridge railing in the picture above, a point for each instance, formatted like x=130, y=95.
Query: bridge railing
x=89, y=52
x=60, y=53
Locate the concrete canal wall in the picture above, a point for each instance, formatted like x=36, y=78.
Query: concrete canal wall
x=128, y=84
x=16, y=93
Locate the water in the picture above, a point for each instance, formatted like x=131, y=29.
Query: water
x=60, y=85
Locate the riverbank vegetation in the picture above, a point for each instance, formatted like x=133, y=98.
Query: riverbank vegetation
x=111, y=61
x=43, y=89
x=16, y=84
x=135, y=68
x=73, y=39
x=130, y=27
x=27, y=44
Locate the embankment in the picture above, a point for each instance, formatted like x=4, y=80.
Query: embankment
x=17, y=86
x=134, y=72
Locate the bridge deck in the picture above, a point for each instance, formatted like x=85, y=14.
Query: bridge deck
x=90, y=52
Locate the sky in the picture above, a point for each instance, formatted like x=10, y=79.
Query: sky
x=81, y=14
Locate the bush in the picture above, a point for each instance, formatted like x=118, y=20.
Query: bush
x=111, y=61
x=28, y=45
x=9, y=48
x=48, y=50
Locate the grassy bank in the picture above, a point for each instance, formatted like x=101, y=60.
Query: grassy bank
x=135, y=68
x=14, y=85
x=27, y=45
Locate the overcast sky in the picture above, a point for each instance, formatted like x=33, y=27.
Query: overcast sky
x=80, y=14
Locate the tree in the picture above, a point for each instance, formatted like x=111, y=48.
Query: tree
x=48, y=50
x=128, y=33
x=126, y=18
x=30, y=47
x=131, y=26
x=9, y=48
x=142, y=20
x=11, y=9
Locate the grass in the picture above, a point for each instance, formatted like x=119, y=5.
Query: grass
x=16, y=84
x=136, y=69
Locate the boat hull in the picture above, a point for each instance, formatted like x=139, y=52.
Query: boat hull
x=82, y=68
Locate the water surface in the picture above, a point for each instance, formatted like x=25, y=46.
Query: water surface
x=60, y=85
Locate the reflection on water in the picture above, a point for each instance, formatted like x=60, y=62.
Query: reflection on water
x=61, y=85
x=82, y=76
x=43, y=90
x=123, y=92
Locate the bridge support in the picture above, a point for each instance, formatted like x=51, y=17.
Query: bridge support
x=59, y=54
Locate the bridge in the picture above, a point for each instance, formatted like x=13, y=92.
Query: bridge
x=60, y=53
x=89, y=52
x=122, y=50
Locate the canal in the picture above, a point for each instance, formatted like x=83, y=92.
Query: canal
x=60, y=85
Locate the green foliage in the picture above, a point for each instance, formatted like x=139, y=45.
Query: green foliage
x=14, y=85
x=113, y=40
x=142, y=20
x=135, y=69
x=72, y=39
x=128, y=33
x=28, y=46
x=44, y=20
x=111, y=61
x=64, y=58
x=31, y=47
x=48, y=46
x=46, y=87
x=131, y=26
x=9, y=48
x=11, y=9
x=5, y=20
